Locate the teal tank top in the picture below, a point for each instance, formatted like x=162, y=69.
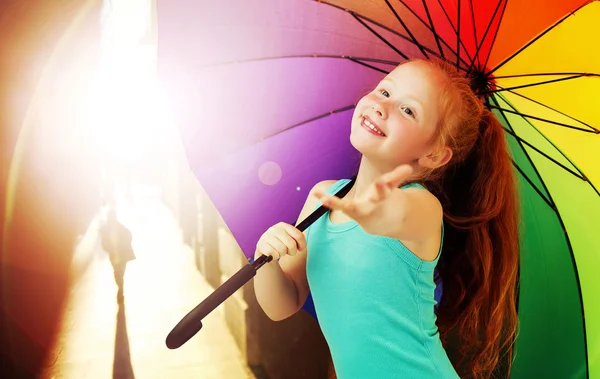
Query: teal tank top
x=375, y=303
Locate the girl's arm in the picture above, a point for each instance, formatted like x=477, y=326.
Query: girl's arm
x=281, y=286
x=413, y=216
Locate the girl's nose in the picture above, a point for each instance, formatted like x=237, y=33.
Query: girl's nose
x=379, y=110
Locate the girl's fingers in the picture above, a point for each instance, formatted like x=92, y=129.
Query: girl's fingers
x=353, y=208
x=290, y=244
x=297, y=235
x=381, y=191
x=349, y=207
x=281, y=239
x=278, y=246
x=266, y=249
x=397, y=176
x=332, y=202
x=319, y=194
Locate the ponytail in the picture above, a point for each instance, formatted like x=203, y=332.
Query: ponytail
x=479, y=266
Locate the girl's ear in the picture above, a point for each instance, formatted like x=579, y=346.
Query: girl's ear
x=437, y=158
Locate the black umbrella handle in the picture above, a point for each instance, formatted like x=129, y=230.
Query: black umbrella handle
x=192, y=322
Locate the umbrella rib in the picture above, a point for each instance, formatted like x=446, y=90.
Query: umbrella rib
x=544, y=120
x=487, y=58
x=537, y=38
x=562, y=224
x=475, y=57
x=548, y=74
x=384, y=61
x=432, y=30
x=548, y=200
x=487, y=30
x=583, y=177
x=355, y=15
x=369, y=66
x=550, y=204
x=453, y=29
x=572, y=255
x=534, y=84
x=552, y=109
x=592, y=129
x=458, y=37
x=394, y=63
x=378, y=35
x=577, y=175
x=437, y=38
x=406, y=28
x=401, y=35
x=338, y=110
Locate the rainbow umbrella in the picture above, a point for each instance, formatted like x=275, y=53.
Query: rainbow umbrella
x=263, y=91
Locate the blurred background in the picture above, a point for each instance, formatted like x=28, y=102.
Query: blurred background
x=84, y=126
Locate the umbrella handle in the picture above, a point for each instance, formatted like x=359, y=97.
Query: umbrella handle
x=192, y=322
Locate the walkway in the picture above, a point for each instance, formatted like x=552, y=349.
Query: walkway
x=102, y=340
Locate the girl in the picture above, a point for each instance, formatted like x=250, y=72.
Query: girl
x=435, y=172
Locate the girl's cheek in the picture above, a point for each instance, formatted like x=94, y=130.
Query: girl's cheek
x=364, y=102
x=369, y=98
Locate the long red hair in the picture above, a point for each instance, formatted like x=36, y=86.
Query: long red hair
x=479, y=266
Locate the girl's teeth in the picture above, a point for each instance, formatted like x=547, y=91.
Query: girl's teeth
x=372, y=127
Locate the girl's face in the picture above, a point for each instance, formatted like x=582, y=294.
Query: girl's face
x=394, y=123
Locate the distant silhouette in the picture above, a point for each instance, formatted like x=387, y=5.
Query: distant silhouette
x=116, y=241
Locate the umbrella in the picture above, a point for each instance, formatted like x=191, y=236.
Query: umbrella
x=264, y=90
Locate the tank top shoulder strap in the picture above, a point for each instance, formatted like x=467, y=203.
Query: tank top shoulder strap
x=413, y=185
x=336, y=186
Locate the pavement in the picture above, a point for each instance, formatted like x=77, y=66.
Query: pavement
x=101, y=338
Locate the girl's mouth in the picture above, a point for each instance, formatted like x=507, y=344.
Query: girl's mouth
x=368, y=124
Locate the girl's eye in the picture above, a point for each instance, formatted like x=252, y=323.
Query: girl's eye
x=408, y=111
x=384, y=93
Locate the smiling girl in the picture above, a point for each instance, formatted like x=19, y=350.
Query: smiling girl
x=434, y=201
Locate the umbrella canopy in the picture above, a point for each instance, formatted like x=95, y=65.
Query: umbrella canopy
x=264, y=90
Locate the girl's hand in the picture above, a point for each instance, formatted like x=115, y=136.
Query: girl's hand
x=367, y=208
x=279, y=240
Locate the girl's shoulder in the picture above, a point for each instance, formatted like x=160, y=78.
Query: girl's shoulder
x=326, y=186
x=329, y=186
x=312, y=200
x=323, y=186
